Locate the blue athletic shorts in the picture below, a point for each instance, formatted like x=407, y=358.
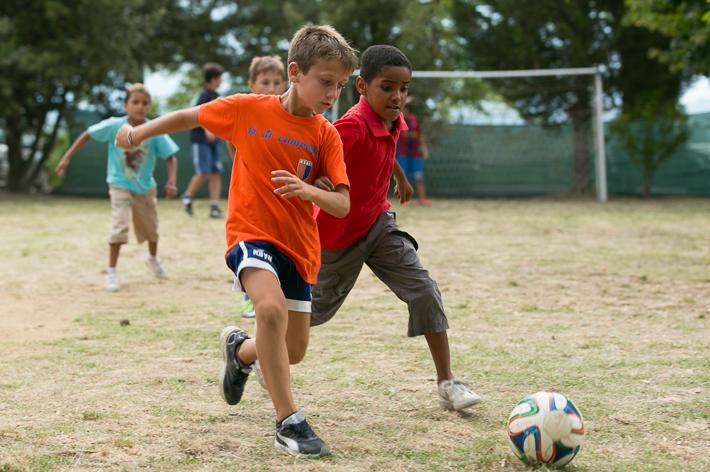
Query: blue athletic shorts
x=205, y=157
x=266, y=256
x=413, y=167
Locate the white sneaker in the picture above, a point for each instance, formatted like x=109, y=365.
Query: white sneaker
x=455, y=395
x=112, y=281
x=154, y=265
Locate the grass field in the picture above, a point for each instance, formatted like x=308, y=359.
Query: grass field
x=607, y=304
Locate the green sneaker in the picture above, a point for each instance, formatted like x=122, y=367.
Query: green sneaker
x=248, y=309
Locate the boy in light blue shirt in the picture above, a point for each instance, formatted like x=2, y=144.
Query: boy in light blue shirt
x=132, y=187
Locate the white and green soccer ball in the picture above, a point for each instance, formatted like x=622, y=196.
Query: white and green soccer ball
x=545, y=429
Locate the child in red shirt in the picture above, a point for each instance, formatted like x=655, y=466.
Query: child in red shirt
x=284, y=144
x=369, y=233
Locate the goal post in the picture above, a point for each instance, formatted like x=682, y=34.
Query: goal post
x=596, y=104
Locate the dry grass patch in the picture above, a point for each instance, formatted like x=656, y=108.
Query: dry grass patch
x=608, y=304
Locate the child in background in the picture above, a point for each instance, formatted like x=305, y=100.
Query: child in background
x=132, y=188
x=412, y=151
x=266, y=77
x=205, y=149
x=369, y=233
x=284, y=144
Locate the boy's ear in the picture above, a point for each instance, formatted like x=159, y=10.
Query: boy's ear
x=293, y=71
x=360, y=85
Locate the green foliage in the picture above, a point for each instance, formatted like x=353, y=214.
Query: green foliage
x=651, y=132
x=190, y=86
x=685, y=23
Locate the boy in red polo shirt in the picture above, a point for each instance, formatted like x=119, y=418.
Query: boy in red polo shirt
x=369, y=233
x=284, y=144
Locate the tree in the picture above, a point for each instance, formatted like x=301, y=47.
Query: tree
x=686, y=24
x=652, y=124
x=508, y=34
x=58, y=53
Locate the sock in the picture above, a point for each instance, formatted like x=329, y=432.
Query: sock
x=213, y=203
x=111, y=270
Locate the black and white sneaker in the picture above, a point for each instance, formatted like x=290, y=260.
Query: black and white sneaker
x=234, y=372
x=187, y=204
x=294, y=436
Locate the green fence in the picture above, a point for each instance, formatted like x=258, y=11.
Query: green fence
x=477, y=161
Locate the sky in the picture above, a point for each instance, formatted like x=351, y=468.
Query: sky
x=696, y=99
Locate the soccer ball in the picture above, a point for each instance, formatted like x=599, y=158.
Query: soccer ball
x=545, y=428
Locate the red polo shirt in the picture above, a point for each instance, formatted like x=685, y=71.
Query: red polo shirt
x=368, y=148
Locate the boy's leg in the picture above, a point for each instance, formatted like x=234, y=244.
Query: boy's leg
x=270, y=346
x=145, y=225
x=114, y=249
x=120, y=211
x=394, y=260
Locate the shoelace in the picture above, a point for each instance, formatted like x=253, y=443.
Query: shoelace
x=303, y=429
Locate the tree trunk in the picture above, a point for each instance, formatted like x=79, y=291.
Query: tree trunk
x=18, y=165
x=582, y=182
x=47, y=147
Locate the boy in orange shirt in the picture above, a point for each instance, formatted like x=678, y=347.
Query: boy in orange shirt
x=284, y=144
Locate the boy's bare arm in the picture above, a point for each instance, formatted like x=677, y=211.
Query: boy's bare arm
x=170, y=185
x=129, y=136
x=66, y=158
x=336, y=202
x=403, y=189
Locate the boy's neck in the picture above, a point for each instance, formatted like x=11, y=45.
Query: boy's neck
x=134, y=122
x=210, y=88
x=290, y=103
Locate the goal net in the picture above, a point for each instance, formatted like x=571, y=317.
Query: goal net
x=508, y=133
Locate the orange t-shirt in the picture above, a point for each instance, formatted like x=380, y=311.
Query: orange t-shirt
x=269, y=138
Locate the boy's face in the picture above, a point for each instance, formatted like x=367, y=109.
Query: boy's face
x=268, y=82
x=387, y=91
x=319, y=89
x=214, y=83
x=137, y=106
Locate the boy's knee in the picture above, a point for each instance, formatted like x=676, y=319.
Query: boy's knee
x=271, y=314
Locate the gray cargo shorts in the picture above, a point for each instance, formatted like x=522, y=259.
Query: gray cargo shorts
x=391, y=254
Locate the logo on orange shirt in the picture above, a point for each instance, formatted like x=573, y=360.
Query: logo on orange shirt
x=304, y=169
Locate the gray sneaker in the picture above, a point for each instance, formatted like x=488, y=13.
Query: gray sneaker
x=455, y=395
x=234, y=372
x=294, y=436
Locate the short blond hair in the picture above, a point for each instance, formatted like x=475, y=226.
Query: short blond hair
x=312, y=43
x=261, y=64
x=137, y=88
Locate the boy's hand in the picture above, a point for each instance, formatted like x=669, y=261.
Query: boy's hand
x=122, y=137
x=403, y=189
x=292, y=185
x=170, y=189
x=324, y=183
x=62, y=166
x=210, y=137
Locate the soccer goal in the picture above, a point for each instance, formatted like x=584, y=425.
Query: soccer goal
x=509, y=133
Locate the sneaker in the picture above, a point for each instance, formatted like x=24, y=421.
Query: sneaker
x=112, y=284
x=156, y=267
x=455, y=395
x=187, y=204
x=234, y=372
x=294, y=436
x=215, y=212
x=248, y=309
